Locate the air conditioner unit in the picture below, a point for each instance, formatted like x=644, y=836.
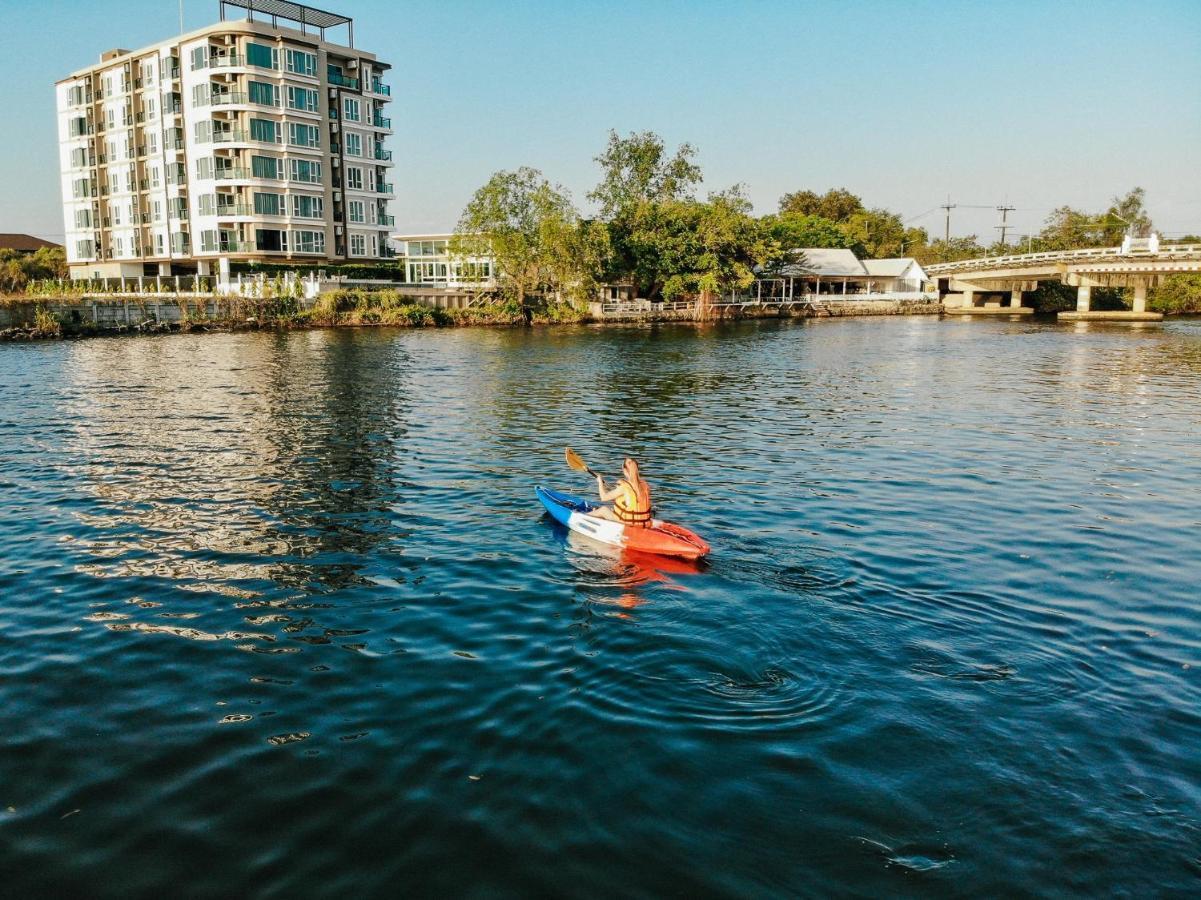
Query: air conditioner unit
x=337, y=196
x=337, y=229
x=333, y=127
x=336, y=160
x=353, y=64
x=333, y=93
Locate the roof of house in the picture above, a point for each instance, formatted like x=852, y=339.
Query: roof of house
x=891, y=268
x=24, y=243
x=826, y=263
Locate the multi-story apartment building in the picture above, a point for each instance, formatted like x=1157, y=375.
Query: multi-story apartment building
x=241, y=141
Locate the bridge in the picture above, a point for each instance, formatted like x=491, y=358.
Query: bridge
x=981, y=286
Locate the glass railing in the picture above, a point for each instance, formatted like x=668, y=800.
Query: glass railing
x=384, y=188
x=231, y=59
x=383, y=154
x=235, y=209
x=388, y=221
x=382, y=122
x=378, y=87
x=343, y=81
x=237, y=247
x=227, y=98
x=239, y=172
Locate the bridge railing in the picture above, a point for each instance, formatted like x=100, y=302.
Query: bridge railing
x=1166, y=251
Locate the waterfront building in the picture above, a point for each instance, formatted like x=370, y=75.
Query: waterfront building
x=242, y=141
x=822, y=270
x=426, y=259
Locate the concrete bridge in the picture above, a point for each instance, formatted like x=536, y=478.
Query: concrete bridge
x=993, y=285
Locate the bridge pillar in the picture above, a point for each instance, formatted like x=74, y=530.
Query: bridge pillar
x=1015, y=298
x=1084, y=298
x=1140, y=296
x=969, y=298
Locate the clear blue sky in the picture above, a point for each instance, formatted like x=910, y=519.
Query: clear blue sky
x=1036, y=103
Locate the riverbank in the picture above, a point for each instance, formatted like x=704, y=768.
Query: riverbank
x=69, y=317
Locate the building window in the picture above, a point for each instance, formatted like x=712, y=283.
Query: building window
x=200, y=56
x=83, y=218
x=307, y=170
x=302, y=99
x=350, y=109
x=158, y=243
x=208, y=242
x=266, y=204
x=308, y=241
x=356, y=210
x=262, y=93
x=354, y=144
x=262, y=56
x=208, y=204
x=158, y=211
x=264, y=167
x=270, y=239
x=354, y=178
x=204, y=167
x=84, y=249
x=303, y=135
x=151, y=142
x=358, y=245
x=306, y=207
x=300, y=62
x=374, y=245
x=200, y=95
x=264, y=130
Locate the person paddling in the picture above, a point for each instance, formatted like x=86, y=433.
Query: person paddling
x=631, y=497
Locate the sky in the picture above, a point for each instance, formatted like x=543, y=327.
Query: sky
x=1027, y=104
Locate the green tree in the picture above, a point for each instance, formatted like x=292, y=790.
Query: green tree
x=955, y=249
x=836, y=204
x=881, y=234
x=795, y=231
x=1176, y=294
x=1128, y=212
x=521, y=219
x=636, y=169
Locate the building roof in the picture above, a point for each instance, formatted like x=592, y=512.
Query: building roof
x=891, y=268
x=24, y=243
x=826, y=262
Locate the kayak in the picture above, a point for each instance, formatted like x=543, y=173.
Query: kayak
x=659, y=537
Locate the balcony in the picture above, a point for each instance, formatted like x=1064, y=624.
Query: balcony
x=235, y=209
x=378, y=87
x=387, y=221
x=385, y=155
x=238, y=173
x=228, y=98
x=343, y=81
x=227, y=61
x=383, y=188
x=237, y=247
x=381, y=122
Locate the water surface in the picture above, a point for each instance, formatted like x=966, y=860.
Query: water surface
x=279, y=614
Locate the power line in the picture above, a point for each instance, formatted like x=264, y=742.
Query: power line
x=1004, y=209
x=948, y=206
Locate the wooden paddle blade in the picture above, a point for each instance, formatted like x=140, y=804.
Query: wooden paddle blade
x=573, y=460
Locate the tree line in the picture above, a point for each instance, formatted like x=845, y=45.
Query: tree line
x=653, y=233
x=18, y=269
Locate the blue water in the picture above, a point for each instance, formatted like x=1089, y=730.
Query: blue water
x=280, y=615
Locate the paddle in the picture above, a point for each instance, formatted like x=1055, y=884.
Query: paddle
x=574, y=461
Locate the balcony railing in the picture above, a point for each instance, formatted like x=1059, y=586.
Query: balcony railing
x=383, y=154
x=378, y=87
x=387, y=221
x=383, y=188
x=343, y=81
x=222, y=62
x=240, y=172
x=235, y=209
x=381, y=122
x=227, y=98
x=237, y=247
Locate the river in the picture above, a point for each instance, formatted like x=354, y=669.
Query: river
x=279, y=613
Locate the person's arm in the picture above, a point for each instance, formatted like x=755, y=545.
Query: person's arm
x=606, y=496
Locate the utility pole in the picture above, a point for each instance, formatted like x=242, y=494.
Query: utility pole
x=948, y=206
x=1004, y=211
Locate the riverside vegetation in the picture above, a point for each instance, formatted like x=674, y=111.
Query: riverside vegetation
x=651, y=233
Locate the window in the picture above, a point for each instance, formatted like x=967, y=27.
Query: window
x=79, y=158
x=204, y=167
x=308, y=241
x=302, y=99
x=111, y=117
x=83, y=218
x=152, y=142
x=264, y=130
x=307, y=170
x=306, y=207
x=158, y=211
x=354, y=178
x=154, y=176
x=200, y=95
x=262, y=56
x=78, y=127
x=147, y=70
x=300, y=62
x=203, y=131
x=75, y=95
x=177, y=208
x=354, y=144
x=84, y=249
x=267, y=204
x=263, y=93
x=208, y=242
x=179, y=242
x=355, y=208
x=375, y=250
x=358, y=245
x=270, y=239
x=158, y=243
x=350, y=109
x=200, y=56
x=303, y=135
x=264, y=167
x=208, y=204
x=118, y=246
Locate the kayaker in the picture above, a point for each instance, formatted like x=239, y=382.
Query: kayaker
x=631, y=498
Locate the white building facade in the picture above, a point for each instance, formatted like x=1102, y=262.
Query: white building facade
x=428, y=260
x=243, y=141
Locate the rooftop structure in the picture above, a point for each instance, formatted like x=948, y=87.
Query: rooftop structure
x=24, y=243
x=242, y=141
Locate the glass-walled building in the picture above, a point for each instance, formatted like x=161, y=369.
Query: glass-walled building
x=426, y=259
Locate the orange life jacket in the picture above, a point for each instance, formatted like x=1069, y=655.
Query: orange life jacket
x=633, y=504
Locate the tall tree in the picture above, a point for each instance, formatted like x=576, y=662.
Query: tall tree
x=521, y=219
x=836, y=204
x=637, y=169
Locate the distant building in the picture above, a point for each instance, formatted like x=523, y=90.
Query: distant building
x=821, y=270
x=25, y=243
x=425, y=259
x=244, y=140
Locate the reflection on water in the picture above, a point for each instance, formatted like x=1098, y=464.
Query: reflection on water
x=282, y=611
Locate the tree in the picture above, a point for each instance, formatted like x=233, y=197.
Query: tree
x=795, y=231
x=836, y=204
x=1128, y=212
x=636, y=169
x=881, y=234
x=520, y=219
x=955, y=249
